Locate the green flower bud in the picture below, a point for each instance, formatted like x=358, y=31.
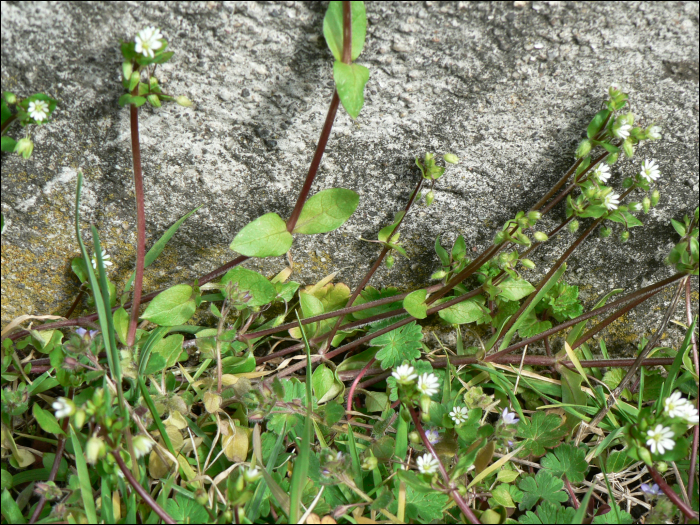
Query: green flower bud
x=612, y=158
x=662, y=467
x=439, y=274
x=534, y=216
x=134, y=80
x=527, y=263
x=430, y=196
x=24, y=147
x=541, y=236
x=605, y=232
x=389, y=261
x=183, y=101
x=451, y=158
x=79, y=418
x=10, y=98
x=153, y=100
x=655, y=197
x=583, y=149
x=200, y=496
x=628, y=148
x=370, y=463
x=499, y=238
x=127, y=70
x=414, y=437
x=644, y=455
x=252, y=475
x=625, y=236
x=573, y=226
x=152, y=82
x=646, y=204
x=523, y=238
x=629, y=117
x=95, y=449
x=227, y=516
x=425, y=407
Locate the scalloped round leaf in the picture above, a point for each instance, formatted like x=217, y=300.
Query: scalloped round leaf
x=414, y=303
x=327, y=211
x=461, y=313
x=171, y=307
x=262, y=291
x=266, y=236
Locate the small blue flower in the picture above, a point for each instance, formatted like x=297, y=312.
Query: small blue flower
x=509, y=417
x=433, y=436
x=651, y=490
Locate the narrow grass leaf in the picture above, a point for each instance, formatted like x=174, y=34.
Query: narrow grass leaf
x=495, y=466
x=10, y=509
x=84, y=479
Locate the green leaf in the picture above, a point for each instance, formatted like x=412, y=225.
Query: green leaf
x=461, y=313
x=121, y=324
x=77, y=264
x=261, y=290
x=680, y=229
x=515, y=290
x=84, y=479
x=158, y=247
x=333, y=28
x=549, y=513
x=350, y=80
x=459, y=249
x=6, y=113
x=543, y=486
x=169, y=348
x=566, y=460
x=428, y=505
x=333, y=413
x=185, y=510
x=612, y=516
x=8, y=143
x=414, y=303
x=171, y=307
x=384, y=233
x=47, y=421
x=613, y=377
x=327, y=211
x=442, y=253
x=266, y=236
x=618, y=461
x=501, y=496
x=311, y=306
x=541, y=432
x=6, y=479
x=325, y=385
x=126, y=98
x=10, y=509
x=597, y=123
x=402, y=344
x=371, y=294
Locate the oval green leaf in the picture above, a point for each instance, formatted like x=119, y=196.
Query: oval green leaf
x=169, y=349
x=325, y=385
x=461, y=313
x=414, y=303
x=310, y=307
x=171, y=307
x=515, y=290
x=266, y=236
x=350, y=80
x=327, y=211
x=333, y=28
x=261, y=290
x=47, y=421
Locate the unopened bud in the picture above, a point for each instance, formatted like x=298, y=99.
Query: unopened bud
x=439, y=274
x=10, y=98
x=573, y=226
x=646, y=204
x=662, y=467
x=628, y=148
x=134, y=80
x=153, y=100
x=583, y=149
x=534, y=215
x=24, y=147
x=429, y=197
x=414, y=437
x=79, y=418
x=612, y=158
x=645, y=455
x=252, y=475
x=540, y=236
x=370, y=463
x=499, y=238
x=625, y=236
x=655, y=197
x=451, y=158
x=605, y=232
x=183, y=101
x=127, y=70
x=527, y=263
x=95, y=449
x=425, y=407
x=152, y=82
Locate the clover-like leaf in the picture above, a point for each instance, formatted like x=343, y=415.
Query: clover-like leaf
x=548, y=513
x=414, y=303
x=402, y=344
x=350, y=81
x=171, y=307
x=327, y=211
x=543, y=431
x=183, y=509
x=543, y=486
x=266, y=236
x=566, y=460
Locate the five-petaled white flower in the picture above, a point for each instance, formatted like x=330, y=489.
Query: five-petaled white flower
x=148, y=41
x=622, y=131
x=650, y=170
x=404, y=374
x=654, y=133
x=611, y=201
x=459, y=415
x=433, y=436
x=427, y=464
x=105, y=260
x=509, y=417
x=38, y=110
x=429, y=384
x=651, y=490
x=660, y=439
x=142, y=445
x=677, y=406
x=63, y=407
x=602, y=173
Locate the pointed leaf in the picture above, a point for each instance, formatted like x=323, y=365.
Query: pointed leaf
x=462, y=313
x=266, y=236
x=171, y=307
x=169, y=348
x=515, y=290
x=47, y=421
x=350, y=80
x=333, y=28
x=327, y=211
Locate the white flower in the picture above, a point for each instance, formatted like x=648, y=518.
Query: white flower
x=677, y=406
x=652, y=490
x=433, y=436
x=404, y=374
x=622, y=131
x=105, y=260
x=611, y=201
x=654, y=133
x=148, y=41
x=459, y=415
x=636, y=206
x=38, y=110
x=427, y=464
x=509, y=417
x=63, y=407
x=251, y=475
x=660, y=439
x=602, y=172
x=142, y=445
x=691, y=415
x=429, y=384
x=650, y=171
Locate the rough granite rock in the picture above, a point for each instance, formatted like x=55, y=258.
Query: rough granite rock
x=509, y=87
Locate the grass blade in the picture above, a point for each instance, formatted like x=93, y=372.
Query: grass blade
x=83, y=478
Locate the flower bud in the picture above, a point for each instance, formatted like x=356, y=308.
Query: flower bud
x=127, y=70
x=524, y=239
x=414, y=437
x=200, y=496
x=662, y=467
x=24, y=147
x=655, y=197
x=646, y=204
x=389, y=261
x=134, y=80
x=439, y=274
x=95, y=449
x=425, y=406
x=573, y=226
x=583, y=149
x=605, y=232
x=534, y=216
x=153, y=100
x=79, y=419
x=252, y=475
x=152, y=82
x=612, y=158
x=527, y=263
x=499, y=238
x=142, y=445
x=183, y=101
x=10, y=98
x=451, y=158
x=644, y=455
x=540, y=236
x=625, y=236
x=629, y=118
x=429, y=197
x=370, y=463
x=628, y=149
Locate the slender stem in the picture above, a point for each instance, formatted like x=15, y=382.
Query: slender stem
x=675, y=498
x=351, y=392
x=456, y=496
x=347, y=32
x=572, y=494
x=696, y=428
x=7, y=123
x=145, y=495
x=75, y=303
x=140, y=222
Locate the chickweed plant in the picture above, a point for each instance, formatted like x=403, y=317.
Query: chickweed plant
x=318, y=404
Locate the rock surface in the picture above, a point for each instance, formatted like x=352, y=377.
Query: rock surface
x=508, y=87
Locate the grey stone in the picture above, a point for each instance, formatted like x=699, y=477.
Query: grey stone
x=513, y=121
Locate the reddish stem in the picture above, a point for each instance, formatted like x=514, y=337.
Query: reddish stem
x=675, y=498
x=357, y=380
x=696, y=428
